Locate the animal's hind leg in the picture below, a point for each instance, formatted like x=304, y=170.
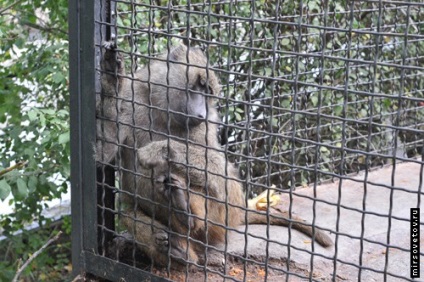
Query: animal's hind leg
x=156, y=241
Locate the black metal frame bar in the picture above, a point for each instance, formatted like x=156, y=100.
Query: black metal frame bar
x=81, y=50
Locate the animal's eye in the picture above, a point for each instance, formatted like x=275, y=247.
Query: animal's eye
x=167, y=184
x=203, y=83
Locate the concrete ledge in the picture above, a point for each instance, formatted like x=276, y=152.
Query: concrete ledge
x=368, y=199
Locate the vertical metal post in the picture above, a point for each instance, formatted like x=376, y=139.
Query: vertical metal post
x=83, y=130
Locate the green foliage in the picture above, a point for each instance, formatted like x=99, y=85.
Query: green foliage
x=42, y=140
x=50, y=265
x=34, y=110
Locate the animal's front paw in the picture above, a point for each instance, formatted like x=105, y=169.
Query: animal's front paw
x=110, y=45
x=112, y=59
x=174, y=245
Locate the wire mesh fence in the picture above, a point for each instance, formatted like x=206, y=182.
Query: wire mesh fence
x=203, y=106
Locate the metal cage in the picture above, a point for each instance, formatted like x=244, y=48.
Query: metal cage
x=320, y=101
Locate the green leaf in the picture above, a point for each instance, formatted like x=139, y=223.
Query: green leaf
x=42, y=120
x=58, y=77
x=22, y=191
x=32, y=115
x=32, y=183
x=314, y=100
x=50, y=112
x=64, y=138
x=285, y=41
x=4, y=189
x=338, y=110
x=29, y=152
x=285, y=103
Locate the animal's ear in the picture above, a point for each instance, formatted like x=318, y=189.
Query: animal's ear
x=167, y=153
x=178, y=53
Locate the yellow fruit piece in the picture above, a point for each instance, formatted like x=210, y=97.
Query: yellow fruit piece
x=261, y=201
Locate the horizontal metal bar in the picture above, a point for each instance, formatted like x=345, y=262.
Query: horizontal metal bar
x=117, y=271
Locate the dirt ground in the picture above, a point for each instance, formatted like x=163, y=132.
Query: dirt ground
x=238, y=271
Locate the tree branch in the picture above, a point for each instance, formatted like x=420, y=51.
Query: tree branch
x=43, y=28
x=10, y=6
x=18, y=165
x=34, y=255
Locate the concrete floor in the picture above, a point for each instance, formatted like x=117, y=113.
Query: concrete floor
x=363, y=199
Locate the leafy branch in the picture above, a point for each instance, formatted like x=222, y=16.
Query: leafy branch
x=18, y=165
x=10, y=6
x=34, y=255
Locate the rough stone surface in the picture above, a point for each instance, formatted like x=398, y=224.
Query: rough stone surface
x=366, y=201
x=354, y=208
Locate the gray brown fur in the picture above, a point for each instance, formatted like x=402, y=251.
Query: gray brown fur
x=175, y=163
x=174, y=201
